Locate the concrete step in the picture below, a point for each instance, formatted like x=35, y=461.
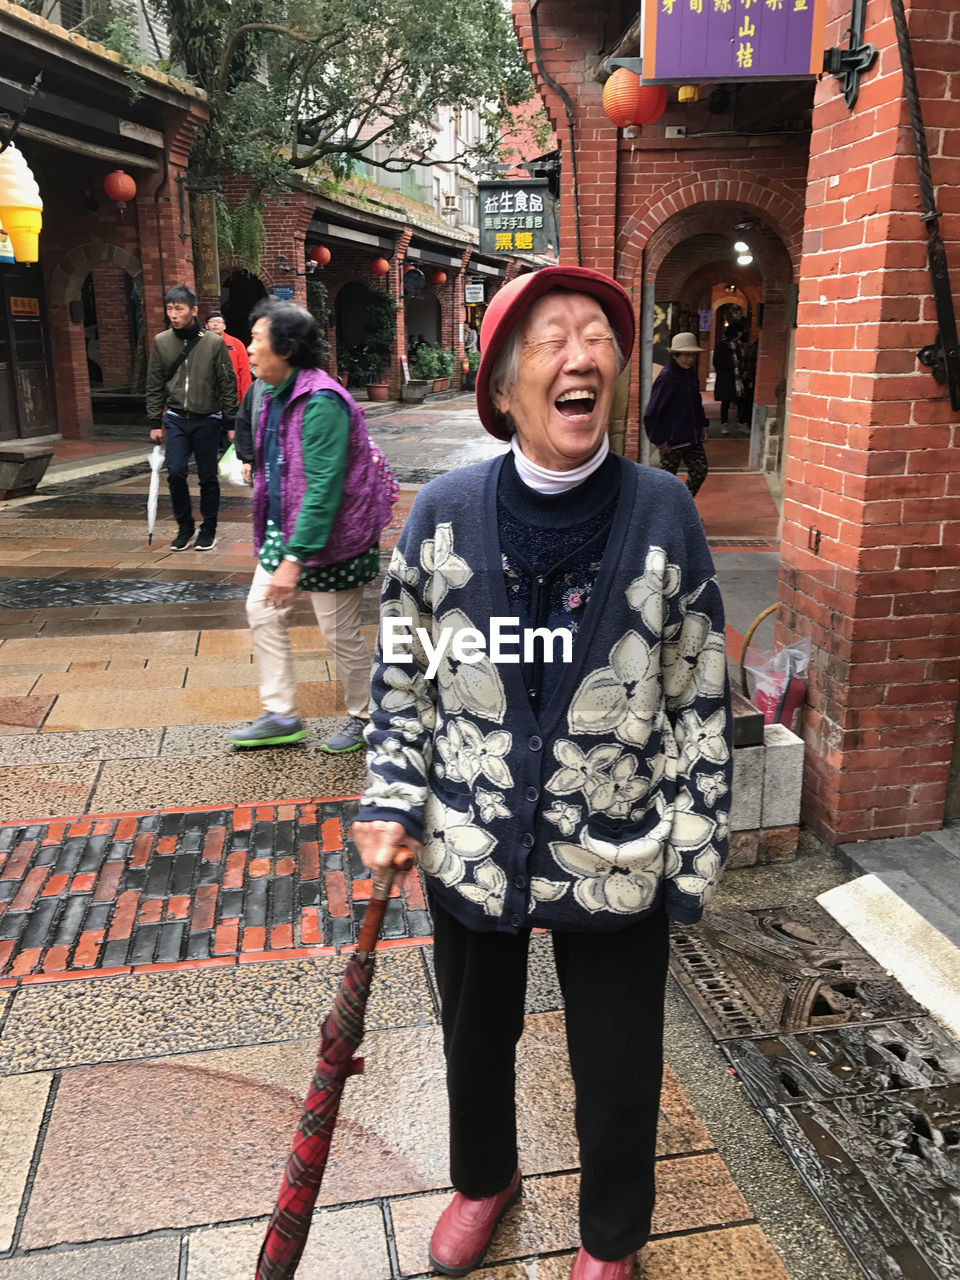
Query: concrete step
x=922, y=870
x=903, y=910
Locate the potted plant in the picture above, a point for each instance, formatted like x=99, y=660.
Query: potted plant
x=423, y=369
x=356, y=364
x=380, y=329
x=441, y=379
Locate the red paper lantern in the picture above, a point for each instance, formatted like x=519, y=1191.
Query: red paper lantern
x=320, y=254
x=380, y=267
x=120, y=187
x=628, y=102
x=439, y=277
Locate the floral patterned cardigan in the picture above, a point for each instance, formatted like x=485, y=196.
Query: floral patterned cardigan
x=604, y=805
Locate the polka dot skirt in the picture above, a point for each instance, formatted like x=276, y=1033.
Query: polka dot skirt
x=328, y=577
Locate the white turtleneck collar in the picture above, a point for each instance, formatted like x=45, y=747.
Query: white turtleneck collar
x=543, y=480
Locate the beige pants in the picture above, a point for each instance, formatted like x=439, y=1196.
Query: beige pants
x=338, y=617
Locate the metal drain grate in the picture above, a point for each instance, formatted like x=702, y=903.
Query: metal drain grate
x=816, y=1066
x=886, y=1169
x=783, y=969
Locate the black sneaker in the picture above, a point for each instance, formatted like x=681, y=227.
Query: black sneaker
x=206, y=541
x=182, y=540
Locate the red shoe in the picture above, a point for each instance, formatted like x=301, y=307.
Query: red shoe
x=463, y=1232
x=587, y=1267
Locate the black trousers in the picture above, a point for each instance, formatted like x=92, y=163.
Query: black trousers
x=691, y=456
x=613, y=989
x=201, y=438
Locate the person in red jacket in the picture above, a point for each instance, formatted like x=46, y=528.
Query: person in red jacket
x=238, y=353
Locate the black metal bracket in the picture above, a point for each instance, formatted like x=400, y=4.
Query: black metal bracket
x=7, y=135
x=848, y=65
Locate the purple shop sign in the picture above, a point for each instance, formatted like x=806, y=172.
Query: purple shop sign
x=697, y=40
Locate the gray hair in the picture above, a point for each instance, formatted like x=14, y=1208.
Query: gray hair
x=503, y=375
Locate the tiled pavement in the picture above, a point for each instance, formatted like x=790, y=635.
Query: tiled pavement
x=147, y=1102
x=196, y=887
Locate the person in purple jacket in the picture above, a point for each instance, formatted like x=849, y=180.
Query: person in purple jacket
x=319, y=507
x=674, y=418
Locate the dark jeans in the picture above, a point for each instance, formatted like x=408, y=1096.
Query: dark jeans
x=694, y=458
x=613, y=987
x=200, y=437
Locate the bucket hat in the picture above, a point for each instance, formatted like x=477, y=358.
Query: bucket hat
x=511, y=303
x=684, y=342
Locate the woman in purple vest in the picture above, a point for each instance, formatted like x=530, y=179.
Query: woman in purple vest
x=318, y=510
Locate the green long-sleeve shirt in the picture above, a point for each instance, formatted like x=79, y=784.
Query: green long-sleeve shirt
x=326, y=433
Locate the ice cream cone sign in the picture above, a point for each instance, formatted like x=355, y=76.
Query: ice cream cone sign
x=21, y=209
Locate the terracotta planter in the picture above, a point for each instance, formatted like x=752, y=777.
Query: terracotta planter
x=377, y=390
x=415, y=391
x=441, y=384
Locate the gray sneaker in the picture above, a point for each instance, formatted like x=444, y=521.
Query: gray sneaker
x=269, y=730
x=349, y=737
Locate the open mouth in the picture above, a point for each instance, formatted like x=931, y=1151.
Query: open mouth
x=576, y=404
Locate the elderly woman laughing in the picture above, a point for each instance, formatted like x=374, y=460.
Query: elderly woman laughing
x=577, y=780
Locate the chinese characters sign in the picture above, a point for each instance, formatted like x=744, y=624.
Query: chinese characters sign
x=693, y=40
x=516, y=217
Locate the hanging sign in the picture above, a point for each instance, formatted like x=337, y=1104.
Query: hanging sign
x=473, y=293
x=516, y=217
x=697, y=40
x=706, y=320
x=6, y=248
x=25, y=307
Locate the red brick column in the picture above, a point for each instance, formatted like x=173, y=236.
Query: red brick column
x=167, y=259
x=68, y=351
x=395, y=286
x=871, y=538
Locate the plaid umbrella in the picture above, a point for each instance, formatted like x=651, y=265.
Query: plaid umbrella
x=340, y=1036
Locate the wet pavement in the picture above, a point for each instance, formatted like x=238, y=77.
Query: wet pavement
x=173, y=917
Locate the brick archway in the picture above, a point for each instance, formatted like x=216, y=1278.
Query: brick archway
x=647, y=237
x=67, y=277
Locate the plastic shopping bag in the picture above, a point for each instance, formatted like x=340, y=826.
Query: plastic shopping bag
x=781, y=683
x=231, y=468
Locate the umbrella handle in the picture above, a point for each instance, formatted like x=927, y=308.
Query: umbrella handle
x=373, y=916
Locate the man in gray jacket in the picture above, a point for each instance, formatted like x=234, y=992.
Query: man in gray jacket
x=191, y=395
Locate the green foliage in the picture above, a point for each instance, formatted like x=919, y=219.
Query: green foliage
x=446, y=359
x=425, y=362
x=121, y=36
x=240, y=232
x=357, y=361
x=473, y=361
x=380, y=328
x=295, y=82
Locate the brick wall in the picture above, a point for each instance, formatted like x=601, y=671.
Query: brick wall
x=871, y=537
x=114, y=325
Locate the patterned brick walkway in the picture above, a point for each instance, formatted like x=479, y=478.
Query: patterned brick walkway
x=186, y=888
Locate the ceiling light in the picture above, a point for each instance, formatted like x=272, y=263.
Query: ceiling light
x=741, y=246
x=744, y=260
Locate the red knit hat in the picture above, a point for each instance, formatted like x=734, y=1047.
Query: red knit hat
x=514, y=300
